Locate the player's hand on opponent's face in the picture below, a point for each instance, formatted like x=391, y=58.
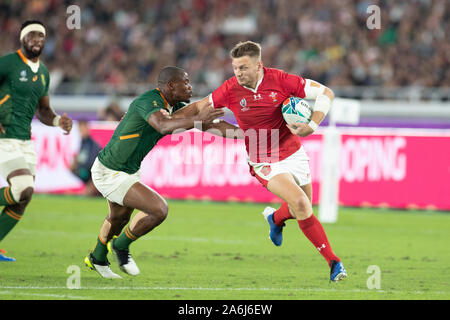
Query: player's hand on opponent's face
x=208, y=114
x=65, y=123
x=301, y=129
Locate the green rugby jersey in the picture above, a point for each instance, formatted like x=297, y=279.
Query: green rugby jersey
x=134, y=137
x=20, y=91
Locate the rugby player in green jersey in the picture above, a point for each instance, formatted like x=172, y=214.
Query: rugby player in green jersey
x=115, y=172
x=24, y=83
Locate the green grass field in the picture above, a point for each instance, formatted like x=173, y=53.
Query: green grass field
x=218, y=251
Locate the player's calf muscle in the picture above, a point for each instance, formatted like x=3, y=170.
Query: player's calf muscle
x=117, y=222
x=26, y=195
x=300, y=207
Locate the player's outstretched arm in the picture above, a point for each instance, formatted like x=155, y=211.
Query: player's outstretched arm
x=224, y=129
x=47, y=116
x=323, y=97
x=192, y=109
x=218, y=127
x=165, y=124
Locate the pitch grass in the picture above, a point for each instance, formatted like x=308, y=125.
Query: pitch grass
x=218, y=251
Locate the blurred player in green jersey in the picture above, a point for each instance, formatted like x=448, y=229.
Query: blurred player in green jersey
x=115, y=172
x=24, y=83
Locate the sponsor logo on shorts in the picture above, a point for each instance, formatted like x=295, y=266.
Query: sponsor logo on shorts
x=266, y=170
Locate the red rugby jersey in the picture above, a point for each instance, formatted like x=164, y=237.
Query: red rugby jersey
x=258, y=113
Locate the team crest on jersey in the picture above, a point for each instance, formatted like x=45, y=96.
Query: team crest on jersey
x=34, y=78
x=243, y=104
x=273, y=95
x=23, y=76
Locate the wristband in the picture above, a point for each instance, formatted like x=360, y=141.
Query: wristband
x=56, y=121
x=313, y=125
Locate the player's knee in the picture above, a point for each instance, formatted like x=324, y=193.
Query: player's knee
x=22, y=188
x=161, y=211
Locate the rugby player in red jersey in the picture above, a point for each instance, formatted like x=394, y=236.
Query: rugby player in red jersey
x=276, y=156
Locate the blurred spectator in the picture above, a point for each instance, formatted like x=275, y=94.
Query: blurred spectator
x=82, y=162
x=111, y=113
x=122, y=43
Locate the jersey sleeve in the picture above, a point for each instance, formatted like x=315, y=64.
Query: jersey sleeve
x=146, y=107
x=219, y=97
x=46, y=84
x=293, y=84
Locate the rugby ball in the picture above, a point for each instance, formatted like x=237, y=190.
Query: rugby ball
x=296, y=110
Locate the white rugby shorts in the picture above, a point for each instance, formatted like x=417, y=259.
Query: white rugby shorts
x=296, y=164
x=17, y=154
x=112, y=184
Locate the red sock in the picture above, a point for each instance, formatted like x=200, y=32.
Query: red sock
x=282, y=214
x=313, y=230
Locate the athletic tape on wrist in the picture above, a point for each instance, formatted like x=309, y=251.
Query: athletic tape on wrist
x=322, y=104
x=313, y=125
x=56, y=121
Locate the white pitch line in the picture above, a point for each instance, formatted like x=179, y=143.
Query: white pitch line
x=82, y=235
x=48, y=295
x=230, y=289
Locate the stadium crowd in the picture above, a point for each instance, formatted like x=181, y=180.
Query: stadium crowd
x=124, y=42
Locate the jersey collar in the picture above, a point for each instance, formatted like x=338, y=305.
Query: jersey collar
x=166, y=104
x=33, y=65
x=22, y=56
x=257, y=84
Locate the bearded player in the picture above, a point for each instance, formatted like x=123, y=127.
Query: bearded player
x=24, y=82
x=115, y=172
x=276, y=156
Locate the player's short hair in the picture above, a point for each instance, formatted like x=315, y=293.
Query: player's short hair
x=247, y=48
x=169, y=74
x=28, y=22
